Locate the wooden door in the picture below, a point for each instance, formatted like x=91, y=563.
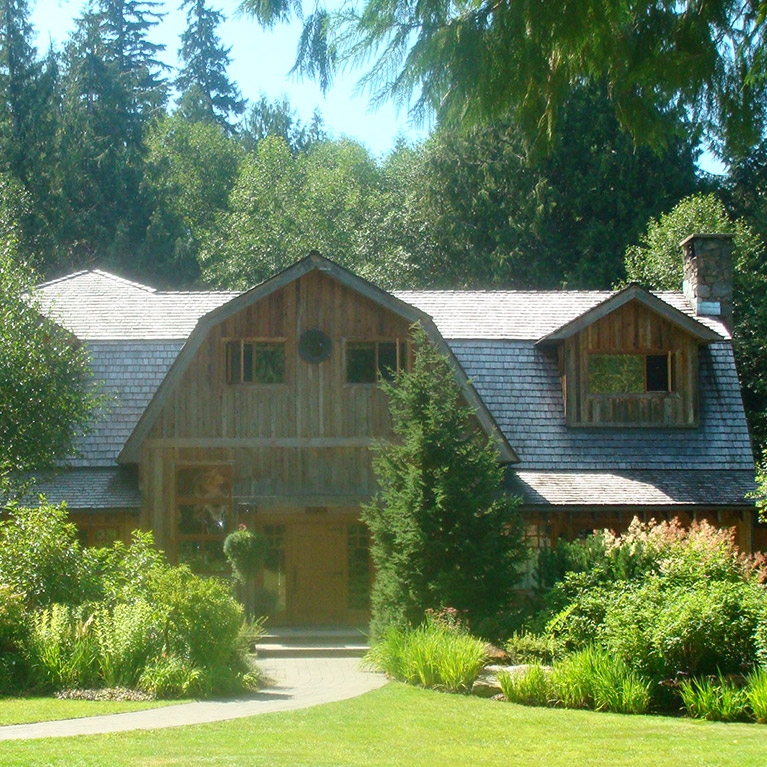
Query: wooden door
x=317, y=589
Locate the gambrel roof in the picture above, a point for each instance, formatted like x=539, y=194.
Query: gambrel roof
x=138, y=336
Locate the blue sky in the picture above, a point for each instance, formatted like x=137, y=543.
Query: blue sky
x=260, y=64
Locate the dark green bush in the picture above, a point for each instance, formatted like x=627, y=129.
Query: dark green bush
x=665, y=628
x=245, y=552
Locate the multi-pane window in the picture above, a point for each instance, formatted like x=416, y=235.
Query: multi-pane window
x=255, y=362
x=203, y=517
x=372, y=361
x=629, y=373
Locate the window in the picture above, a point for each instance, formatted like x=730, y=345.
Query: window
x=629, y=373
x=371, y=361
x=255, y=362
x=203, y=517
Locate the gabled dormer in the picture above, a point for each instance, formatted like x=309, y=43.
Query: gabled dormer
x=632, y=360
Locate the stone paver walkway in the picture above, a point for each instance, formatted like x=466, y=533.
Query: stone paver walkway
x=299, y=683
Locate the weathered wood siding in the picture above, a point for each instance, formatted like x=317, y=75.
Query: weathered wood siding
x=632, y=328
x=301, y=443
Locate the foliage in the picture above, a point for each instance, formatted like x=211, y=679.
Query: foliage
x=206, y=93
x=434, y=655
x=661, y=598
x=663, y=628
x=277, y=118
x=116, y=617
x=528, y=687
x=756, y=694
x=190, y=171
x=245, y=552
x=62, y=648
x=526, y=647
x=284, y=205
x=595, y=678
x=14, y=633
x=716, y=699
x=46, y=397
x=484, y=209
x=470, y=62
x=444, y=534
x=41, y=558
x=174, y=676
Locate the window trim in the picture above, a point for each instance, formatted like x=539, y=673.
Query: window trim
x=402, y=348
x=228, y=343
x=670, y=390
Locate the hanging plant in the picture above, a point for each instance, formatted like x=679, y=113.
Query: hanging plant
x=245, y=551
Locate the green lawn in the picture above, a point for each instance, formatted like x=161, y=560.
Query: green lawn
x=26, y=710
x=401, y=726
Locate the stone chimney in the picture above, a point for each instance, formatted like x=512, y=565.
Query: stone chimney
x=708, y=275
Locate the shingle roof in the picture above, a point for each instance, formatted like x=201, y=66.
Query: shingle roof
x=520, y=315
x=521, y=387
x=134, y=333
x=100, y=488
x=97, y=306
x=632, y=488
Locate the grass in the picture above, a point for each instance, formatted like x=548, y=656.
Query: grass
x=401, y=725
x=28, y=710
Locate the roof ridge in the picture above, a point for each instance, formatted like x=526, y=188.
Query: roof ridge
x=66, y=277
x=123, y=280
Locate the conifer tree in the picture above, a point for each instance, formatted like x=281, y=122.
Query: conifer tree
x=112, y=89
x=207, y=93
x=444, y=533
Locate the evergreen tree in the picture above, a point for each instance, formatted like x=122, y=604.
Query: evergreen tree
x=444, y=534
x=112, y=90
x=207, y=93
x=278, y=118
x=27, y=122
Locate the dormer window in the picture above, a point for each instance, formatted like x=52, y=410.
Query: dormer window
x=622, y=374
x=255, y=362
x=631, y=360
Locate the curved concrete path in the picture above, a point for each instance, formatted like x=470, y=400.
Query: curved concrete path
x=298, y=683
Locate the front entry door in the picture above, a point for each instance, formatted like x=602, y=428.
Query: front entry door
x=317, y=588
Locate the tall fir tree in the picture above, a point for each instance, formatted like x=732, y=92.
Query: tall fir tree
x=113, y=88
x=206, y=92
x=444, y=532
x=27, y=122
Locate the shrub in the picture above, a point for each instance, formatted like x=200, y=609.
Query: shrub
x=716, y=699
x=245, y=551
x=14, y=631
x=130, y=635
x=41, y=558
x=173, y=676
x=202, y=620
x=592, y=678
x=664, y=628
x=534, y=648
x=432, y=655
x=756, y=695
x=62, y=648
x=528, y=687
